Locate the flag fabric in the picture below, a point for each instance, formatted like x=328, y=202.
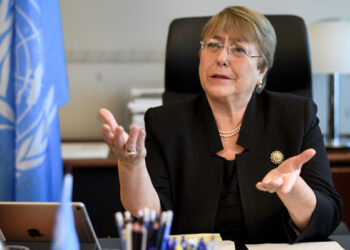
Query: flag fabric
x=65, y=235
x=33, y=85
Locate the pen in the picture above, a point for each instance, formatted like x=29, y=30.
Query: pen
x=152, y=220
x=127, y=236
x=153, y=234
x=140, y=215
x=144, y=237
x=176, y=245
x=210, y=245
x=119, y=222
x=127, y=217
x=191, y=244
x=169, y=245
x=169, y=220
x=201, y=245
x=146, y=218
x=161, y=230
x=183, y=242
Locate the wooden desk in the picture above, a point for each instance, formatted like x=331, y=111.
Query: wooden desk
x=340, y=157
x=96, y=184
x=340, y=166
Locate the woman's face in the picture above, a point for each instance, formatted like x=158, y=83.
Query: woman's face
x=234, y=74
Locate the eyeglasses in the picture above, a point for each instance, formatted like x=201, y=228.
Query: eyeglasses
x=214, y=46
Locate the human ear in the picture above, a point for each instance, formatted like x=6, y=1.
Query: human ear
x=263, y=71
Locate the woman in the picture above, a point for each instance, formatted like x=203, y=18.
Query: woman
x=237, y=160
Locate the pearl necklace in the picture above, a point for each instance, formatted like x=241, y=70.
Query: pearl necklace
x=225, y=134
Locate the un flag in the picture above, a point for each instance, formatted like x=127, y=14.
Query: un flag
x=33, y=85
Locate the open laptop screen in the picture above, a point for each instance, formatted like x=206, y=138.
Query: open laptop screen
x=34, y=221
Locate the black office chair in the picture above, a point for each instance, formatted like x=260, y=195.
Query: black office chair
x=290, y=73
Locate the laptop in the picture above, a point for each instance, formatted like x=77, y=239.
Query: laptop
x=35, y=221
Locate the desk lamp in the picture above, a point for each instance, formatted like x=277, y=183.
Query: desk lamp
x=330, y=54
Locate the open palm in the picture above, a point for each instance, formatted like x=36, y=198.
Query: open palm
x=282, y=178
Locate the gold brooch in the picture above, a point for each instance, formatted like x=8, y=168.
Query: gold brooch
x=277, y=157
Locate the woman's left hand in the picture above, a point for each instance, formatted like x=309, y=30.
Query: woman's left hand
x=282, y=178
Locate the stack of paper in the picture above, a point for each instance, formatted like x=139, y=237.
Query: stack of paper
x=229, y=245
x=84, y=150
x=327, y=245
x=143, y=99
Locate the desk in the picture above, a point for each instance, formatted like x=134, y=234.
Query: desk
x=340, y=166
x=114, y=243
x=96, y=185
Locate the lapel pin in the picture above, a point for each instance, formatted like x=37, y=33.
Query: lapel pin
x=276, y=157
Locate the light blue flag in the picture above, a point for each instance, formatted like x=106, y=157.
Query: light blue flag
x=65, y=235
x=33, y=85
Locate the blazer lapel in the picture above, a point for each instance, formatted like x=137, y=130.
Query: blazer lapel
x=252, y=166
x=209, y=173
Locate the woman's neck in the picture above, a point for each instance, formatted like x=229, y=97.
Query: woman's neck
x=228, y=113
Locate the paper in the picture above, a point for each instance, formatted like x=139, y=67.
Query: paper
x=146, y=91
x=206, y=237
x=224, y=245
x=140, y=105
x=84, y=150
x=327, y=245
x=219, y=244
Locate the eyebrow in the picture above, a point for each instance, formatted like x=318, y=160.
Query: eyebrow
x=231, y=40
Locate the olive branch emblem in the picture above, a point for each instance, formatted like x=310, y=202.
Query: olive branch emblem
x=36, y=109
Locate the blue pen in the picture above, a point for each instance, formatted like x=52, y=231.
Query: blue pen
x=169, y=220
x=183, y=242
x=169, y=244
x=161, y=230
x=177, y=246
x=201, y=245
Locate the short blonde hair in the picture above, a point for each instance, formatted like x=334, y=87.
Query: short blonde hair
x=250, y=25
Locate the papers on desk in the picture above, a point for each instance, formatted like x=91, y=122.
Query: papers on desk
x=205, y=236
x=327, y=245
x=229, y=245
x=141, y=100
x=140, y=105
x=84, y=150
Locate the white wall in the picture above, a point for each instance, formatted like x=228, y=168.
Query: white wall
x=112, y=45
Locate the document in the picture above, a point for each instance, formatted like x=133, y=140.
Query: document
x=205, y=236
x=219, y=244
x=84, y=150
x=327, y=245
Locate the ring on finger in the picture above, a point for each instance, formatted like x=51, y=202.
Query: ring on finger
x=130, y=152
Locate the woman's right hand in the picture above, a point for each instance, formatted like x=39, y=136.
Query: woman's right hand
x=128, y=148
x=136, y=188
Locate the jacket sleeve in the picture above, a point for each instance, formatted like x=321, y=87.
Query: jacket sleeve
x=317, y=174
x=155, y=162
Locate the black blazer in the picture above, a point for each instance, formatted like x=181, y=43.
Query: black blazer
x=182, y=141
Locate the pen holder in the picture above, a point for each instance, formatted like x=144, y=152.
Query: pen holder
x=147, y=231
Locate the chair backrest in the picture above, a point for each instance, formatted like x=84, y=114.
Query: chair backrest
x=290, y=73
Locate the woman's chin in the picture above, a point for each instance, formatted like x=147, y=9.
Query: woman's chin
x=221, y=93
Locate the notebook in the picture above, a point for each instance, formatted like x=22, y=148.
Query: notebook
x=34, y=221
